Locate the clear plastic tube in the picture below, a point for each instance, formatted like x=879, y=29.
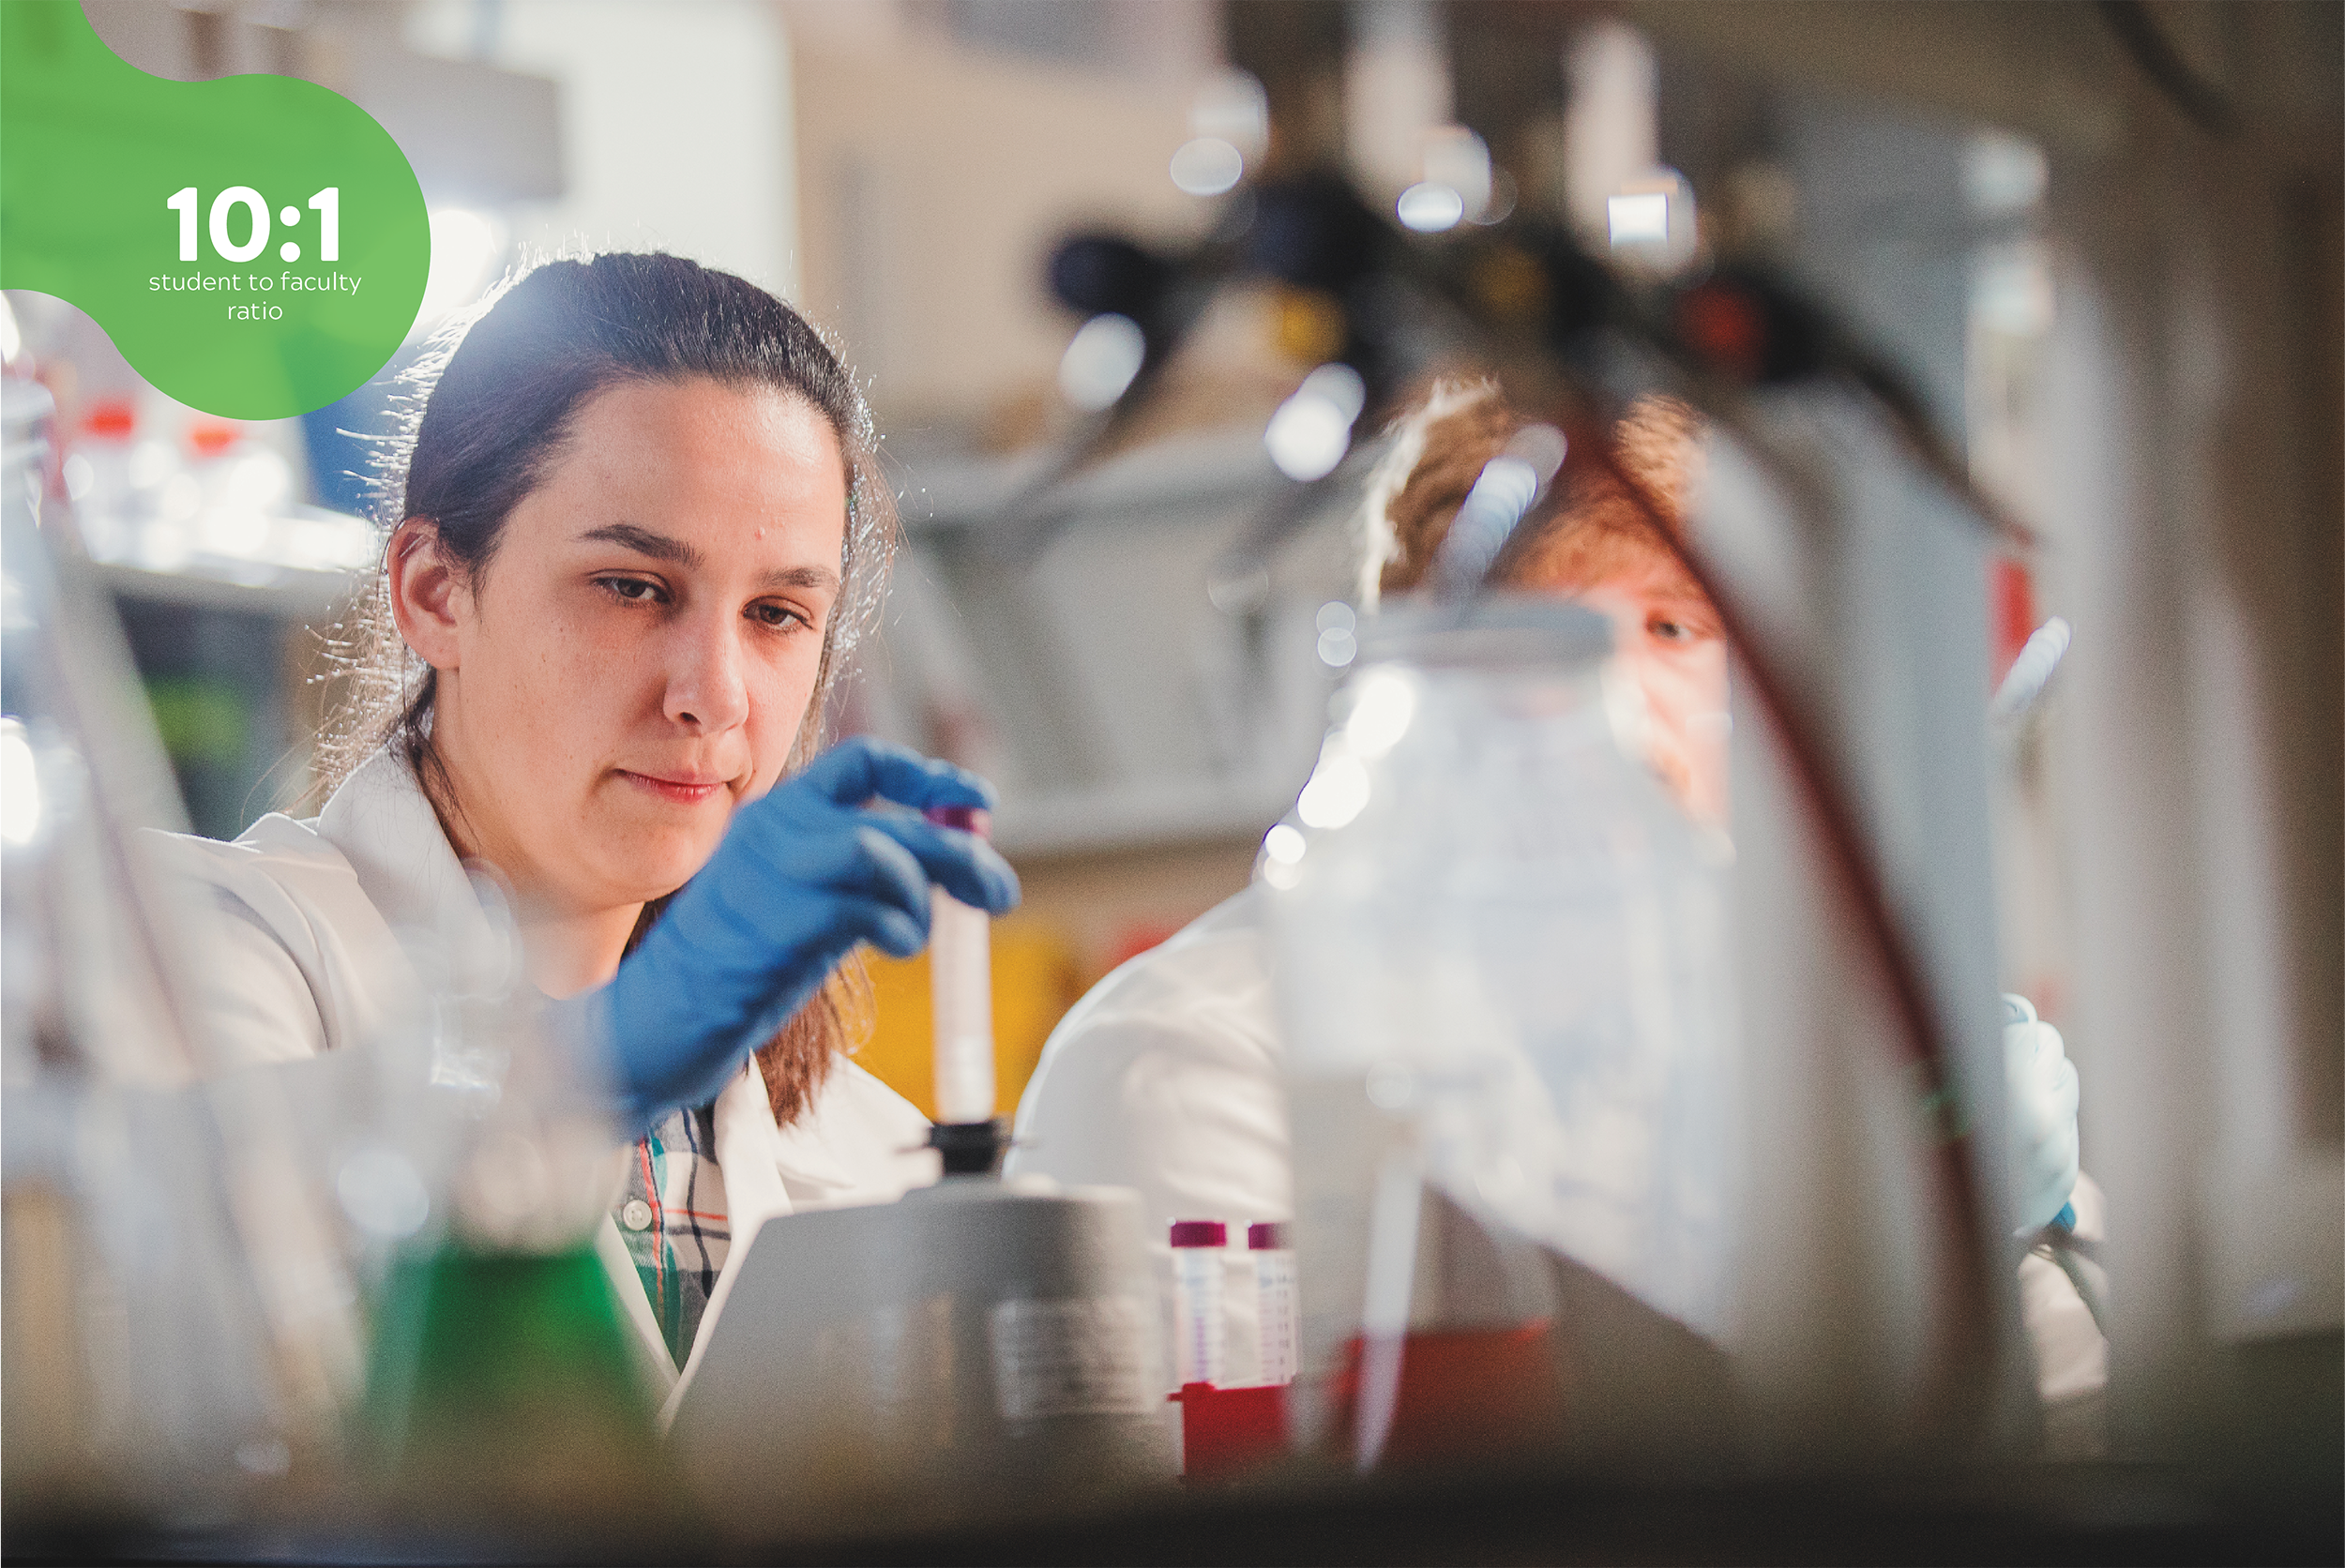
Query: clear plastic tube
x=960, y=969
x=1197, y=1279
x=1273, y=1301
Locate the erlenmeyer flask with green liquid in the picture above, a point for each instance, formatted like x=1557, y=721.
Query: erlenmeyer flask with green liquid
x=504, y=1384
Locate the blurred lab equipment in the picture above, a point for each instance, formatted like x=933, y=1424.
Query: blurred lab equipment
x=181, y=1338
x=977, y=1350
x=1501, y=959
x=503, y=1381
x=224, y=580
x=1715, y=338
x=1719, y=336
x=167, y=491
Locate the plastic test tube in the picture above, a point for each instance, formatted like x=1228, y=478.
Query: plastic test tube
x=961, y=972
x=1274, y=1300
x=1197, y=1247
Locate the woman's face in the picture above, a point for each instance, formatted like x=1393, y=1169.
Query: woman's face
x=636, y=657
x=1670, y=636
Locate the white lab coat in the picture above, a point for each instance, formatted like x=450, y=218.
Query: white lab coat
x=1166, y=1079
x=316, y=949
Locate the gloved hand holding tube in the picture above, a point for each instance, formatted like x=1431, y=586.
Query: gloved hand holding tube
x=2040, y=1098
x=802, y=875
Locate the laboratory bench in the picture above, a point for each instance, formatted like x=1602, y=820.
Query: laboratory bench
x=2068, y=1513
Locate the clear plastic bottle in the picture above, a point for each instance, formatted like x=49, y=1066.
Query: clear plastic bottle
x=1501, y=959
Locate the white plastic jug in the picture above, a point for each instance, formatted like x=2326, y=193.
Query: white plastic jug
x=1501, y=949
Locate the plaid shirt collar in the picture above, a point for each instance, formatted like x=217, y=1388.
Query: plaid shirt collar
x=672, y=1213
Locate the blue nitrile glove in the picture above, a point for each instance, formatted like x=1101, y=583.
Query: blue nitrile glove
x=2040, y=1096
x=802, y=876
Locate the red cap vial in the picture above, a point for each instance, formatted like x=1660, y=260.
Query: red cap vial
x=1268, y=1236
x=1200, y=1232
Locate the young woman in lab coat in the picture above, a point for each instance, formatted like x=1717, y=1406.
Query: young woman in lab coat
x=1166, y=1078
x=639, y=531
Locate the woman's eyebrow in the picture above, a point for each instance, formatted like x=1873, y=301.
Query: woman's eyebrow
x=661, y=546
x=803, y=576
x=643, y=542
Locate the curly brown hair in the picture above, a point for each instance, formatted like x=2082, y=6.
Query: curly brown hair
x=1594, y=530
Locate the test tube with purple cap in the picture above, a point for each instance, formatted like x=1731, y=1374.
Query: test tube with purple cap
x=1197, y=1327
x=1274, y=1300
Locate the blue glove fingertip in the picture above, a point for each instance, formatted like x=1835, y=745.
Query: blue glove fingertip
x=1003, y=889
x=894, y=932
x=955, y=785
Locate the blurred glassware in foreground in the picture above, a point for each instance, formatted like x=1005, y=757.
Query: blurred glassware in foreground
x=1501, y=960
x=503, y=1385
x=180, y=1327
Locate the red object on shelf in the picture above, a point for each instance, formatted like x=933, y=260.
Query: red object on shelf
x=1463, y=1391
x=109, y=419
x=211, y=437
x=1226, y=1432
x=2011, y=602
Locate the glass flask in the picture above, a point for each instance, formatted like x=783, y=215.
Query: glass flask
x=1501, y=959
x=504, y=1385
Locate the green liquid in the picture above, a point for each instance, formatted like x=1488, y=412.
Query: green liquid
x=503, y=1385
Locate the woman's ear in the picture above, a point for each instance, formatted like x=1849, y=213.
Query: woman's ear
x=430, y=601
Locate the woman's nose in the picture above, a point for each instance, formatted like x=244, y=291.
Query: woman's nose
x=705, y=688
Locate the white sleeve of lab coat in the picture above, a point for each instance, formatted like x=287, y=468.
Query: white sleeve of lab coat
x=1165, y=1080
x=258, y=1002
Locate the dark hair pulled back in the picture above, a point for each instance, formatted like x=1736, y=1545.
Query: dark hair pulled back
x=489, y=411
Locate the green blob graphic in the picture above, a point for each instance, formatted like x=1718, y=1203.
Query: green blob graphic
x=91, y=152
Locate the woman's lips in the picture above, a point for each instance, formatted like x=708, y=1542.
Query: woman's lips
x=680, y=792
